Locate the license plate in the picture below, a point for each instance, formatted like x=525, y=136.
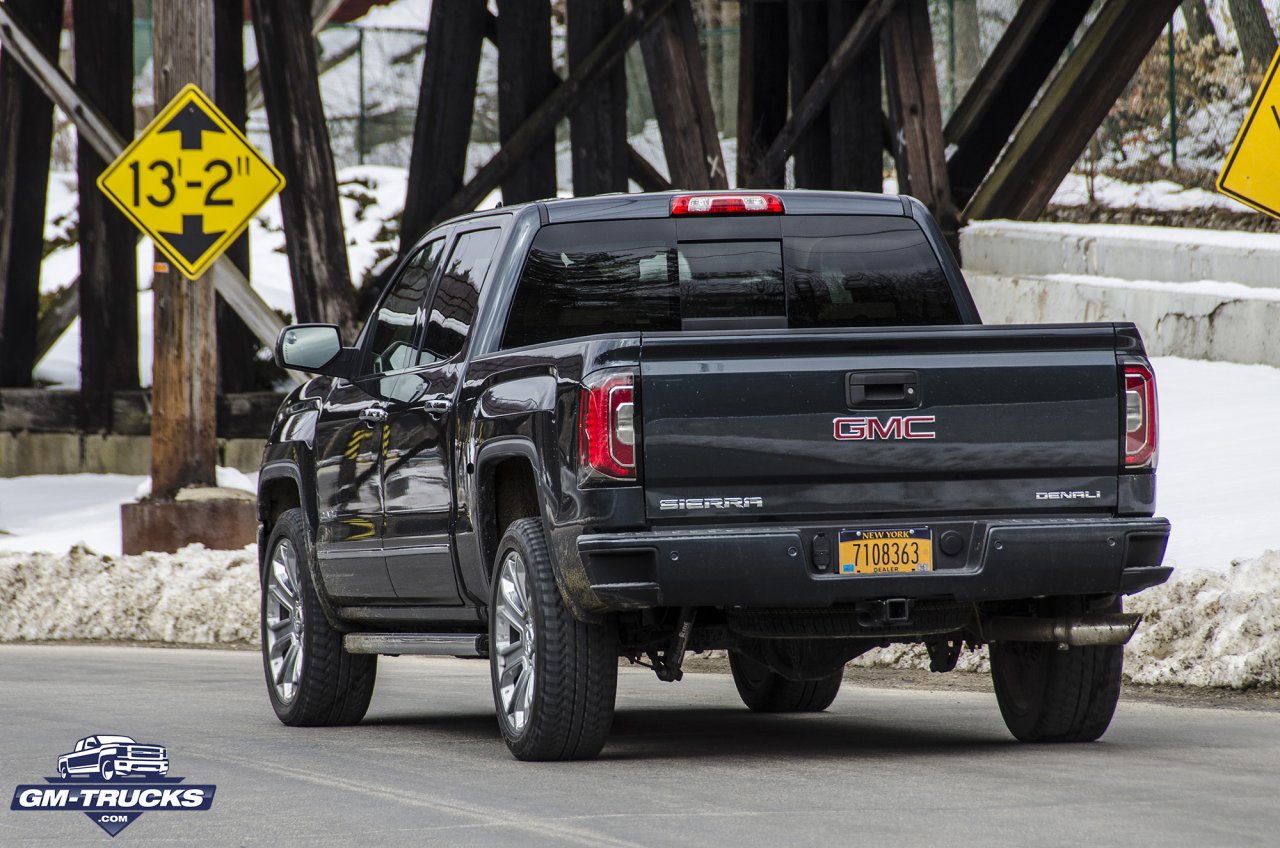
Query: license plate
x=898, y=551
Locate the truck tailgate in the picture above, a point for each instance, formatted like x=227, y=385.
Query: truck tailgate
x=903, y=421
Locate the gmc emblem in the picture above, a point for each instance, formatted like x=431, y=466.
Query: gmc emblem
x=892, y=428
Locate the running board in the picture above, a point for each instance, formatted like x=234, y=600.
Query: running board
x=421, y=644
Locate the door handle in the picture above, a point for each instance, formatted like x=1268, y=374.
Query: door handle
x=883, y=389
x=373, y=415
x=437, y=405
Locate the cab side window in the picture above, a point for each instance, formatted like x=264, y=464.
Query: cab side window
x=400, y=314
x=453, y=308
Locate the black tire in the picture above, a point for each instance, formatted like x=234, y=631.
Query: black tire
x=332, y=687
x=1048, y=695
x=765, y=691
x=559, y=705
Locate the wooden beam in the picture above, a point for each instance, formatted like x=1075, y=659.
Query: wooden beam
x=682, y=101
x=915, y=111
x=1005, y=86
x=232, y=285
x=184, y=372
x=645, y=175
x=108, y=296
x=762, y=90
x=598, y=127
x=322, y=11
x=815, y=99
x=309, y=204
x=524, y=55
x=25, y=139
x=555, y=108
x=806, y=55
x=237, y=363
x=857, y=157
x=1052, y=135
x=446, y=101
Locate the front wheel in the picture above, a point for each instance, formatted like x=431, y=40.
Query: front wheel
x=311, y=679
x=1050, y=695
x=107, y=769
x=554, y=677
x=765, y=691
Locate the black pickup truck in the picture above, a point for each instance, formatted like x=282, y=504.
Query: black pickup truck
x=639, y=425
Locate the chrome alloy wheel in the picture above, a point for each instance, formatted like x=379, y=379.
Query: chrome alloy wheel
x=284, y=621
x=515, y=654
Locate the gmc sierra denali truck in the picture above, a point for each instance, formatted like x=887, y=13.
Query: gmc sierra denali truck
x=638, y=425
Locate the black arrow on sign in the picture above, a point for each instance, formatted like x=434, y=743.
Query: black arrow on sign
x=191, y=121
x=193, y=242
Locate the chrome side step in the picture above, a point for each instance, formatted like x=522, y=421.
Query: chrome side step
x=422, y=644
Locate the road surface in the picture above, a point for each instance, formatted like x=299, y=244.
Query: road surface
x=687, y=765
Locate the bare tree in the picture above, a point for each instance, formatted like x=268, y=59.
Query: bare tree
x=1257, y=38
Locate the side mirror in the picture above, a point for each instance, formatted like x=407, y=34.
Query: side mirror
x=316, y=348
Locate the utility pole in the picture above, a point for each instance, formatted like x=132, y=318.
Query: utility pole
x=184, y=442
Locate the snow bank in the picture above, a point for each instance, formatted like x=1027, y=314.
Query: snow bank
x=194, y=597
x=1203, y=629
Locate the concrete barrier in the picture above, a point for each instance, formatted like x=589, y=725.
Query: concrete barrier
x=1158, y=278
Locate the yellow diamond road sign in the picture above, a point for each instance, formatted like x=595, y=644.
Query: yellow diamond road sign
x=1252, y=172
x=191, y=181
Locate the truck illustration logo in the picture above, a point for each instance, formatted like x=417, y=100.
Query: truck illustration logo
x=109, y=757
x=113, y=780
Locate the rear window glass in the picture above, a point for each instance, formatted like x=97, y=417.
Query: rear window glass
x=634, y=276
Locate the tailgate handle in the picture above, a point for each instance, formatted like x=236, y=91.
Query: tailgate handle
x=884, y=389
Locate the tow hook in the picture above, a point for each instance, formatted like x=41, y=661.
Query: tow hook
x=888, y=611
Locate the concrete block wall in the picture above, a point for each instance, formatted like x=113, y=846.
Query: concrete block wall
x=1193, y=293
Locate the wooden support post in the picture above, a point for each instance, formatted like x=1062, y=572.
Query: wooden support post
x=1051, y=136
x=108, y=252
x=446, y=101
x=184, y=442
x=236, y=344
x=25, y=139
x=682, y=101
x=524, y=55
x=857, y=158
x=915, y=111
x=598, y=127
x=314, y=238
x=842, y=59
x=609, y=52
x=806, y=54
x=762, y=90
x=646, y=176
x=1022, y=60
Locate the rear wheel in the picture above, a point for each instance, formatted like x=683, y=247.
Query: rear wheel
x=554, y=677
x=765, y=691
x=311, y=679
x=1049, y=695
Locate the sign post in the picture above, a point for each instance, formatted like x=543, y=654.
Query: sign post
x=192, y=182
x=1252, y=172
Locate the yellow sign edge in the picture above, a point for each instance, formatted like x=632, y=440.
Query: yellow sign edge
x=191, y=272
x=1235, y=146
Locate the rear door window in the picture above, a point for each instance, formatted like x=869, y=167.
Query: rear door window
x=635, y=276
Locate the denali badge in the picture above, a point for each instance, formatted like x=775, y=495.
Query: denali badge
x=710, y=503
x=893, y=427
x=1068, y=496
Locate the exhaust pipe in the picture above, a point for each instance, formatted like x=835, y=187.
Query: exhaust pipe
x=1101, y=629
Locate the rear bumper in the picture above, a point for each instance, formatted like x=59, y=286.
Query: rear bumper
x=774, y=567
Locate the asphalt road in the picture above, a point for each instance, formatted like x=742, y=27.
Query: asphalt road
x=687, y=765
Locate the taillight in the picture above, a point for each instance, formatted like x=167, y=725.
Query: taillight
x=726, y=204
x=1141, y=438
x=607, y=429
